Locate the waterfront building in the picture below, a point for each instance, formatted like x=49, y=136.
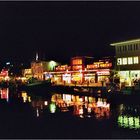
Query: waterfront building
x=4, y=74
x=40, y=67
x=99, y=71
x=27, y=73
x=82, y=70
x=128, y=60
x=78, y=66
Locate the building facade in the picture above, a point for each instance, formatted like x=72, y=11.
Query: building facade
x=39, y=67
x=128, y=60
x=82, y=70
x=27, y=73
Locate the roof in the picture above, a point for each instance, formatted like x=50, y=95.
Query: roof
x=125, y=42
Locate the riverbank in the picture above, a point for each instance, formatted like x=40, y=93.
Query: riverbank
x=125, y=95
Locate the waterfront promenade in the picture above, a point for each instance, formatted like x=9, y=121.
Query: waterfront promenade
x=80, y=85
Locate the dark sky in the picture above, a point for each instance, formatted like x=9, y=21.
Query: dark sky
x=59, y=30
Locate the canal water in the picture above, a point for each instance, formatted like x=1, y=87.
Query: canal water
x=25, y=115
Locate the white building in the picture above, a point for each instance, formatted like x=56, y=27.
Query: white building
x=128, y=60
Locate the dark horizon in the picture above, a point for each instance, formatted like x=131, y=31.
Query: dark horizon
x=61, y=30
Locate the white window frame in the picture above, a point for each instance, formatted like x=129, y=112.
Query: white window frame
x=130, y=61
x=124, y=61
x=119, y=61
x=136, y=60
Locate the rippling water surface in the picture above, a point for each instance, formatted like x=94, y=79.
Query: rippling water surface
x=25, y=115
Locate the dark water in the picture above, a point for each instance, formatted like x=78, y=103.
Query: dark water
x=24, y=115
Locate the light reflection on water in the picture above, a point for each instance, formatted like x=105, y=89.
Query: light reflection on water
x=80, y=106
x=89, y=107
x=4, y=94
x=128, y=116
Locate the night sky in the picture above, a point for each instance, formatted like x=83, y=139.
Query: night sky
x=60, y=30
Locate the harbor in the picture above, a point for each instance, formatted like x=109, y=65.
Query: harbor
x=69, y=70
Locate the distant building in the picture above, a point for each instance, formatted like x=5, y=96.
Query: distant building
x=128, y=60
x=78, y=64
x=40, y=67
x=82, y=69
x=27, y=73
x=4, y=74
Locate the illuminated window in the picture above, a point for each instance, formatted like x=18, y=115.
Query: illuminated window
x=130, y=60
x=124, y=61
x=136, y=60
x=77, y=61
x=119, y=61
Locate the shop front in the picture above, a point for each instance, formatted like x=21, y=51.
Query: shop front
x=77, y=77
x=129, y=77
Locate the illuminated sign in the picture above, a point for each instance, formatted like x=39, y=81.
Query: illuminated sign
x=99, y=65
x=62, y=68
x=103, y=72
x=77, y=67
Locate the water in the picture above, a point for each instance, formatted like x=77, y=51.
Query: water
x=24, y=115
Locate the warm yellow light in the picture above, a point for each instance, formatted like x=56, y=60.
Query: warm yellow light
x=29, y=99
x=24, y=96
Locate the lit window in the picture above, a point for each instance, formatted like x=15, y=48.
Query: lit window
x=130, y=60
x=119, y=61
x=136, y=61
x=77, y=61
x=124, y=61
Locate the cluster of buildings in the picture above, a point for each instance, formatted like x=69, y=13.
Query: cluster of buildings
x=84, y=69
